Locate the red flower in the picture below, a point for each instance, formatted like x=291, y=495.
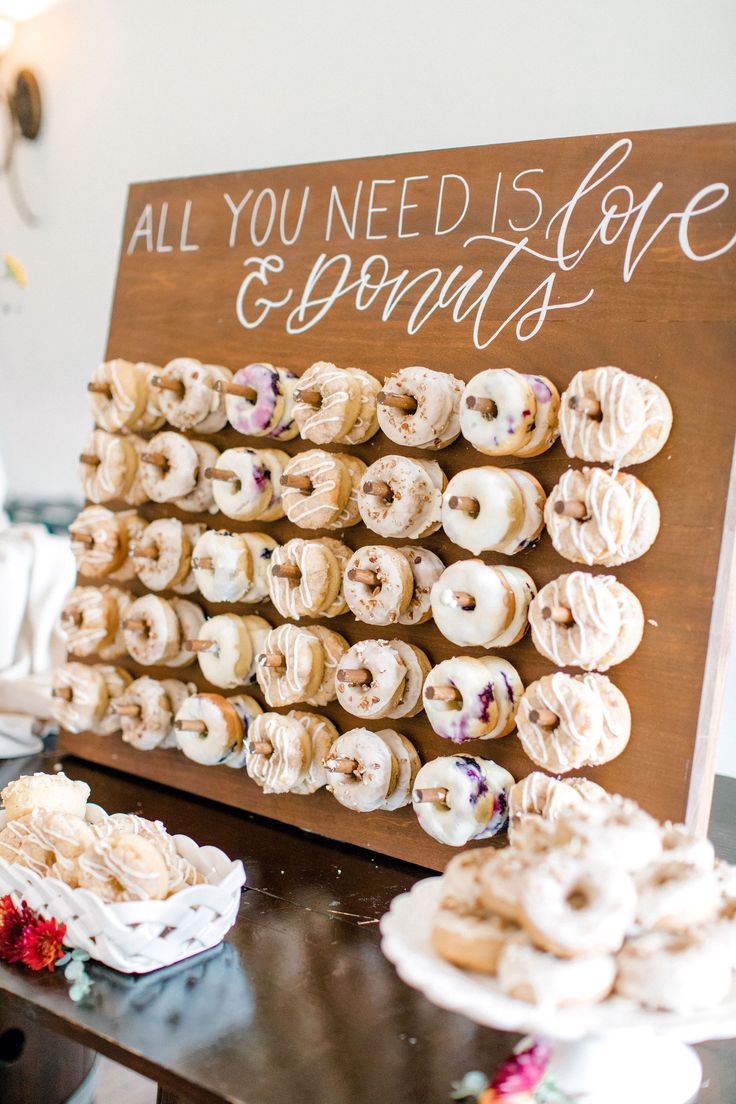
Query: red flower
x=523, y=1071
x=13, y=923
x=42, y=943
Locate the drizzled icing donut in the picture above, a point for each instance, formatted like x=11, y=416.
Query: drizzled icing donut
x=107, y=466
x=366, y=423
x=79, y=696
x=90, y=620
x=117, y=680
x=334, y=646
x=596, y=536
x=609, y=435
x=321, y=734
x=314, y=587
x=99, y=541
x=121, y=404
x=338, y=408
x=595, y=626
x=657, y=424
x=286, y=764
x=302, y=666
x=124, y=867
x=330, y=486
x=542, y=796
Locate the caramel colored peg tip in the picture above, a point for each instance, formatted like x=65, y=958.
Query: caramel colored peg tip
x=260, y=747
x=286, y=571
x=271, y=659
x=443, y=693
x=459, y=598
x=483, y=406
x=81, y=538
x=134, y=624
x=571, y=509
x=62, y=692
x=124, y=710
x=166, y=384
x=363, y=575
x=464, y=503
x=545, y=718
x=559, y=614
x=99, y=389
x=430, y=794
x=398, y=402
x=376, y=488
x=89, y=459
x=309, y=397
x=340, y=765
x=298, y=482
x=144, y=552
x=241, y=390
x=585, y=405
x=222, y=475
x=209, y=646
x=206, y=563
x=354, y=676
x=191, y=726
x=155, y=459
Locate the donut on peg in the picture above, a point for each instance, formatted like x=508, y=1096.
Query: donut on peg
x=275, y=460
x=152, y=632
x=119, y=395
x=291, y=666
x=145, y=714
x=262, y=547
x=169, y=467
x=602, y=415
x=366, y=423
x=247, y=709
x=224, y=650
x=241, y=483
x=162, y=555
x=476, y=604
x=546, y=417
x=99, y=541
x=117, y=681
x=334, y=646
x=472, y=699
x=350, y=514
x=497, y=412
x=378, y=584
x=107, y=466
x=209, y=729
x=362, y=770
x=419, y=408
x=458, y=798
x=401, y=497
x=201, y=498
x=534, y=499
x=191, y=618
x=304, y=578
x=327, y=402
x=78, y=696
x=321, y=734
x=223, y=565
x=193, y=530
x=417, y=668
x=187, y=395
x=279, y=753
x=89, y=620
x=260, y=402
x=315, y=489
x=342, y=554
x=482, y=509
x=131, y=525
x=426, y=568
x=370, y=682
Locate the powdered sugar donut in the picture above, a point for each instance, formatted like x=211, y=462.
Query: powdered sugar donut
x=262, y=547
x=672, y=971
x=99, y=541
x=366, y=423
x=304, y=578
x=78, y=696
x=334, y=646
x=426, y=568
x=291, y=667
x=657, y=423
x=194, y=401
x=436, y=398
x=546, y=417
x=461, y=797
x=472, y=699
x=362, y=770
x=378, y=584
x=588, y=515
x=321, y=734
x=602, y=415
x=482, y=508
x=400, y=496
x=151, y=629
x=528, y=974
x=117, y=395
x=278, y=754
x=201, y=498
x=107, y=466
x=497, y=411
x=338, y=393
x=472, y=603
x=315, y=488
x=382, y=672
x=124, y=867
x=576, y=621
x=219, y=735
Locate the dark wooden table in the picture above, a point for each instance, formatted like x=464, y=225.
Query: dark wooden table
x=298, y=1006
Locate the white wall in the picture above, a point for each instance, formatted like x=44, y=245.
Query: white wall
x=139, y=89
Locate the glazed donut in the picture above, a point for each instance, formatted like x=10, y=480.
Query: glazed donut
x=150, y=725
x=673, y=972
x=118, y=395
x=616, y=831
x=400, y=497
x=645, y=520
x=657, y=423
x=366, y=423
x=301, y=664
x=497, y=412
x=130, y=526
x=616, y=422
x=540, y=795
x=385, y=676
x=528, y=974
x=484, y=703
x=426, y=568
x=124, y=867
x=89, y=620
x=436, y=399
x=218, y=735
x=679, y=844
x=315, y=489
x=222, y=565
x=201, y=498
x=169, y=467
x=46, y=841
x=304, y=578
x=258, y=629
x=151, y=630
x=546, y=417
x=99, y=541
x=162, y=556
x=191, y=618
x=244, y=489
x=409, y=765
x=573, y=905
x=676, y=896
x=461, y=797
x=378, y=584
x=494, y=513
x=594, y=629
x=321, y=734
x=224, y=650
x=262, y=547
x=264, y=414
x=362, y=769
x=78, y=696
x=534, y=498
x=350, y=514
x=194, y=401
x=279, y=753
x=471, y=940
x=247, y=709
x=107, y=466
x=180, y=871
x=523, y=591
x=588, y=515
x=339, y=401
x=493, y=605
x=117, y=680
x=334, y=648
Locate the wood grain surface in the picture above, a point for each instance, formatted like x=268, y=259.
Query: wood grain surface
x=667, y=316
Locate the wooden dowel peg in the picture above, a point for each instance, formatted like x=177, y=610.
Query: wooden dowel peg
x=354, y=676
x=340, y=765
x=155, y=459
x=465, y=503
x=62, y=692
x=308, y=397
x=209, y=646
x=585, y=405
x=286, y=571
x=123, y=710
x=571, y=509
x=561, y=615
x=144, y=551
x=261, y=747
x=206, y=563
x=298, y=482
x=191, y=726
x=545, y=718
x=272, y=659
x=163, y=383
x=363, y=575
x=222, y=475
x=89, y=458
x=82, y=538
x=134, y=624
x=430, y=794
x=398, y=402
x=461, y=599
x=71, y=618
x=240, y=389
x=377, y=489
x=483, y=406
x=99, y=389
x=444, y=693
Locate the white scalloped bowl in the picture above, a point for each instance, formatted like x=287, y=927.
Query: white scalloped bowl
x=137, y=937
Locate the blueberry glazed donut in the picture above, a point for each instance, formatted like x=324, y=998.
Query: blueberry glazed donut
x=261, y=402
x=497, y=412
x=461, y=797
x=472, y=699
x=209, y=729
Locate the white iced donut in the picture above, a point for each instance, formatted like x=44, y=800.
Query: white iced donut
x=78, y=696
x=291, y=666
x=528, y=974
x=378, y=584
x=673, y=972
x=278, y=754
x=334, y=646
x=417, y=668
x=576, y=620
x=107, y=466
x=150, y=726
x=209, y=729
x=243, y=488
x=191, y=618
x=275, y=460
x=222, y=565
x=321, y=733
x=224, y=650
x=546, y=417
x=482, y=508
x=315, y=489
x=382, y=683
x=177, y=691
x=304, y=578
x=436, y=398
x=89, y=620
x=472, y=603
x=247, y=709
x=152, y=632
x=472, y=699
x=657, y=423
x=362, y=770
x=534, y=499
x=118, y=393
x=461, y=797
x=201, y=498
x=523, y=590
x=588, y=516
x=193, y=530
x=262, y=547
x=497, y=412
x=401, y=497
x=99, y=541
x=426, y=568
x=409, y=765
x=162, y=555
x=333, y=415
x=606, y=431
x=169, y=467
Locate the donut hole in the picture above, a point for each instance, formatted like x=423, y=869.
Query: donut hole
x=577, y=899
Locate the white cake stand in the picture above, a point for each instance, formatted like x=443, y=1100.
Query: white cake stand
x=604, y=1053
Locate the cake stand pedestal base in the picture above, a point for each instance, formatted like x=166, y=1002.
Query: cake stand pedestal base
x=637, y=1067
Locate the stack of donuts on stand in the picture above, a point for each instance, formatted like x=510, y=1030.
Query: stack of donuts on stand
x=156, y=590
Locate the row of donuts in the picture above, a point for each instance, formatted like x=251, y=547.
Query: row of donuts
x=605, y=415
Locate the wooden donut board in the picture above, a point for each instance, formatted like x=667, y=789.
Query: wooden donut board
x=196, y=279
